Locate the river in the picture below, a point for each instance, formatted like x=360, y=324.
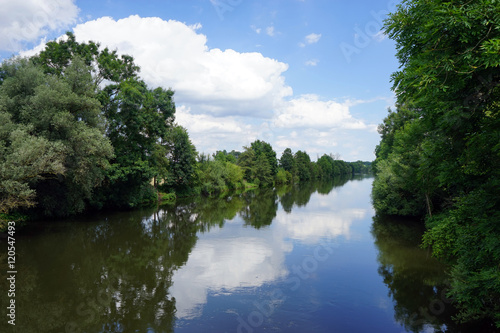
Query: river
x=306, y=258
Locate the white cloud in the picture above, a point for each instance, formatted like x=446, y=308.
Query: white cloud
x=227, y=99
x=310, y=39
x=312, y=62
x=313, y=38
x=309, y=111
x=205, y=123
x=28, y=20
x=172, y=54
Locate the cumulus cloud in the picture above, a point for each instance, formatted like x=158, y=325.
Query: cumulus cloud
x=28, y=20
x=309, y=111
x=209, y=133
x=172, y=54
x=226, y=99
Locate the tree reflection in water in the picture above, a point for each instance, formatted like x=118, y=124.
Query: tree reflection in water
x=417, y=283
x=113, y=274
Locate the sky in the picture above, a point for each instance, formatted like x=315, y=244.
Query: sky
x=310, y=75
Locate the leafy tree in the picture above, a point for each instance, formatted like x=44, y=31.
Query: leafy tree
x=326, y=164
x=287, y=161
x=182, y=157
x=224, y=156
x=263, y=171
x=303, y=163
x=137, y=119
x=440, y=150
x=105, y=65
x=247, y=161
x=61, y=117
x=25, y=159
x=264, y=148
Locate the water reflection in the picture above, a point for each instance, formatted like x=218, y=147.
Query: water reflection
x=207, y=262
x=417, y=283
x=233, y=257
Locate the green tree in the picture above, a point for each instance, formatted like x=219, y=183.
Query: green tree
x=303, y=163
x=326, y=164
x=105, y=65
x=264, y=148
x=287, y=161
x=263, y=171
x=247, y=161
x=443, y=144
x=25, y=159
x=60, y=115
x=182, y=157
x=137, y=119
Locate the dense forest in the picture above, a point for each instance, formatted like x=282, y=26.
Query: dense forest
x=439, y=158
x=80, y=130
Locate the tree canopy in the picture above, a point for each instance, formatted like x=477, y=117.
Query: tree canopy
x=440, y=150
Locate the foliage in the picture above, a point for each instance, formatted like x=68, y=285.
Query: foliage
x=136, y=119
x=303, y=163
x=218, y=176
x=440, y=150
x=167, y=197
x=259, y=163
x=287, y=162
x=182, y=157
x=55, y=151
x=264, y=149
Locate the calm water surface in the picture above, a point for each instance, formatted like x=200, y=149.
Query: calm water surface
x=309, y=258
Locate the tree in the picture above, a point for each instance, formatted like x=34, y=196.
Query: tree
x=303, y=163
x=247, y=161
x=138, y=124
x=105, y=65
x=264, y=148
x=136, y=118
x=59, y=116
x=287, y=161
x=326, y=164
x=25, y=159
x=442, y=142
x=263, y=171
x=182, y=157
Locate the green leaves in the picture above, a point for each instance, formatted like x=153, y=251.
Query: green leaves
x=446, y=153
x=55, y=132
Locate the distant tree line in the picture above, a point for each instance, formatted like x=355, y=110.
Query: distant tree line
x=258, y=165
x=79, y=130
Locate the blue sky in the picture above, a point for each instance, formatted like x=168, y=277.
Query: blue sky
x=312, y=75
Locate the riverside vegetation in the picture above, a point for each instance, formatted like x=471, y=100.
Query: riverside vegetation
x=439, y=156
x=80, y=130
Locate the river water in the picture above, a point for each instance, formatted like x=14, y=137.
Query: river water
x=308, y=258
